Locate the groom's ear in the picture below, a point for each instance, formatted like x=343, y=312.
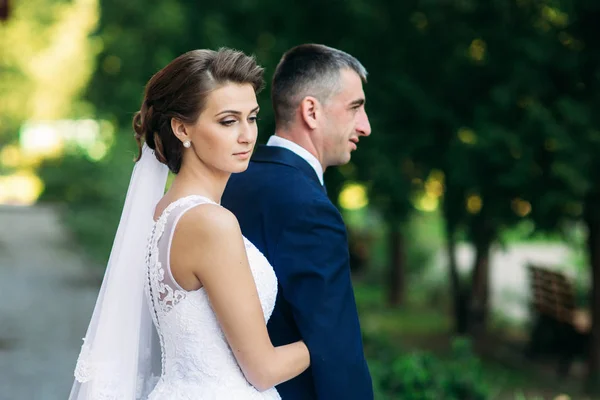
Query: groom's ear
x=179, y=130
x=309, y=111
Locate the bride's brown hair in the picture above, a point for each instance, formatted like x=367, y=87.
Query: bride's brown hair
x=179, y=91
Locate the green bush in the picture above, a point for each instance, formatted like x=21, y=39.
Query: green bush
x=420, y=375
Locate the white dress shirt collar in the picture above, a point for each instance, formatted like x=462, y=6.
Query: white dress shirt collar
x=278, y=141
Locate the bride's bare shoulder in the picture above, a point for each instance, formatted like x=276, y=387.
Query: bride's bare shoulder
x=208, y=222
x=207, y=235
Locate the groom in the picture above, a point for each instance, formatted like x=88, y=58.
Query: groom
x=283, y=208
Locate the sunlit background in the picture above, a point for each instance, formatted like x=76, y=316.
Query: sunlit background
x=483, y=163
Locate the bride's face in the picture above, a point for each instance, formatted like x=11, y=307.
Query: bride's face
x=224, y=135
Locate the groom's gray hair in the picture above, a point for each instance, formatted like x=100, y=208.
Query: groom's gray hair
x=308, y=70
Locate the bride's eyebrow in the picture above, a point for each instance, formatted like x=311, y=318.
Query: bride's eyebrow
x=228, y=112
x=237, y=112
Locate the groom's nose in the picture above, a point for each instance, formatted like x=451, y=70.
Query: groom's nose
x=363, y=127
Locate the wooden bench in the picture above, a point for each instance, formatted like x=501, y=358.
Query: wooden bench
x=559, y=327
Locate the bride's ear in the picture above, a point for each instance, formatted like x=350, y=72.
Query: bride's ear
x=179, y=129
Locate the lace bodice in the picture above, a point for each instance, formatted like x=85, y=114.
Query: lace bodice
x=197, y=362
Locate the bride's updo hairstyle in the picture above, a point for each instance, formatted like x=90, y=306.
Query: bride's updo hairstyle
x=180, y=90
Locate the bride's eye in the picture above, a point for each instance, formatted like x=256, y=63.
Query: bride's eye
x=227, y=122
x=254, y=118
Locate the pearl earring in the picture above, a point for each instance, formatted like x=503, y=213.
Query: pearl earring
x=187, y=144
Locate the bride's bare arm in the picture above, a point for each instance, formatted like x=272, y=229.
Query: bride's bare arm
x=208, y=242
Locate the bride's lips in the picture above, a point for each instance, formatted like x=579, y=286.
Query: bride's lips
x=243, y=154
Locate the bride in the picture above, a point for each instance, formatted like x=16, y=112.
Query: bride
x=182, y=310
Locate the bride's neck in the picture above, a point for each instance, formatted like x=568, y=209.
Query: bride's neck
x=200, y=180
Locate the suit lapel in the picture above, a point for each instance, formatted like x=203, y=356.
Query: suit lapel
x=280, y=155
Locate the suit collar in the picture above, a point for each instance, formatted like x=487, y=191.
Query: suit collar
x=280, y=155
x=279, y=141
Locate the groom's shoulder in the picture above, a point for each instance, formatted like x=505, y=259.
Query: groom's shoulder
x=277, y=187
x=286, y=180
x=273, y=168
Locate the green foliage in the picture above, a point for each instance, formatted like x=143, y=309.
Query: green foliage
x=46, y=62
x=92, y=194
x=421, y=375
x=423, y=237
x=518, y=77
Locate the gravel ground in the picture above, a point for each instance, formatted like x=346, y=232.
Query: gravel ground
x=48, y=295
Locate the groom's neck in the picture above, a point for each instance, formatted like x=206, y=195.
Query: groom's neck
x=303, y=139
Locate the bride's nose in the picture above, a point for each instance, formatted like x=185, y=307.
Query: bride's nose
x=247, y=133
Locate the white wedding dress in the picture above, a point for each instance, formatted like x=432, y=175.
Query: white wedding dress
x=197, y=362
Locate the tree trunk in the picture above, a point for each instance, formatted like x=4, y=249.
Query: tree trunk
x=461, y=316
x=592, y=219
x=4, y=10
x=397, y=270
x=480, y=287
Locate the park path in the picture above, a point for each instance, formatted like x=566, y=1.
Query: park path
x=47, y=295
x=509, y=281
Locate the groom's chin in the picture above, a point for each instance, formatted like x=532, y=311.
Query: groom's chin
x=345, y=159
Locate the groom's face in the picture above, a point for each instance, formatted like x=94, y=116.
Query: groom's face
x=346, y=120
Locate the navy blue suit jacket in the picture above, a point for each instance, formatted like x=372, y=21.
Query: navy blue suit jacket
x=283, y=209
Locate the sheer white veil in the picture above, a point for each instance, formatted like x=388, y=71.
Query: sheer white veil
x=120, y=358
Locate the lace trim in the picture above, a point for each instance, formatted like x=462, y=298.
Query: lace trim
x=109, y=389
x=167, y=296
x=161, y=296
x=84, y=370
